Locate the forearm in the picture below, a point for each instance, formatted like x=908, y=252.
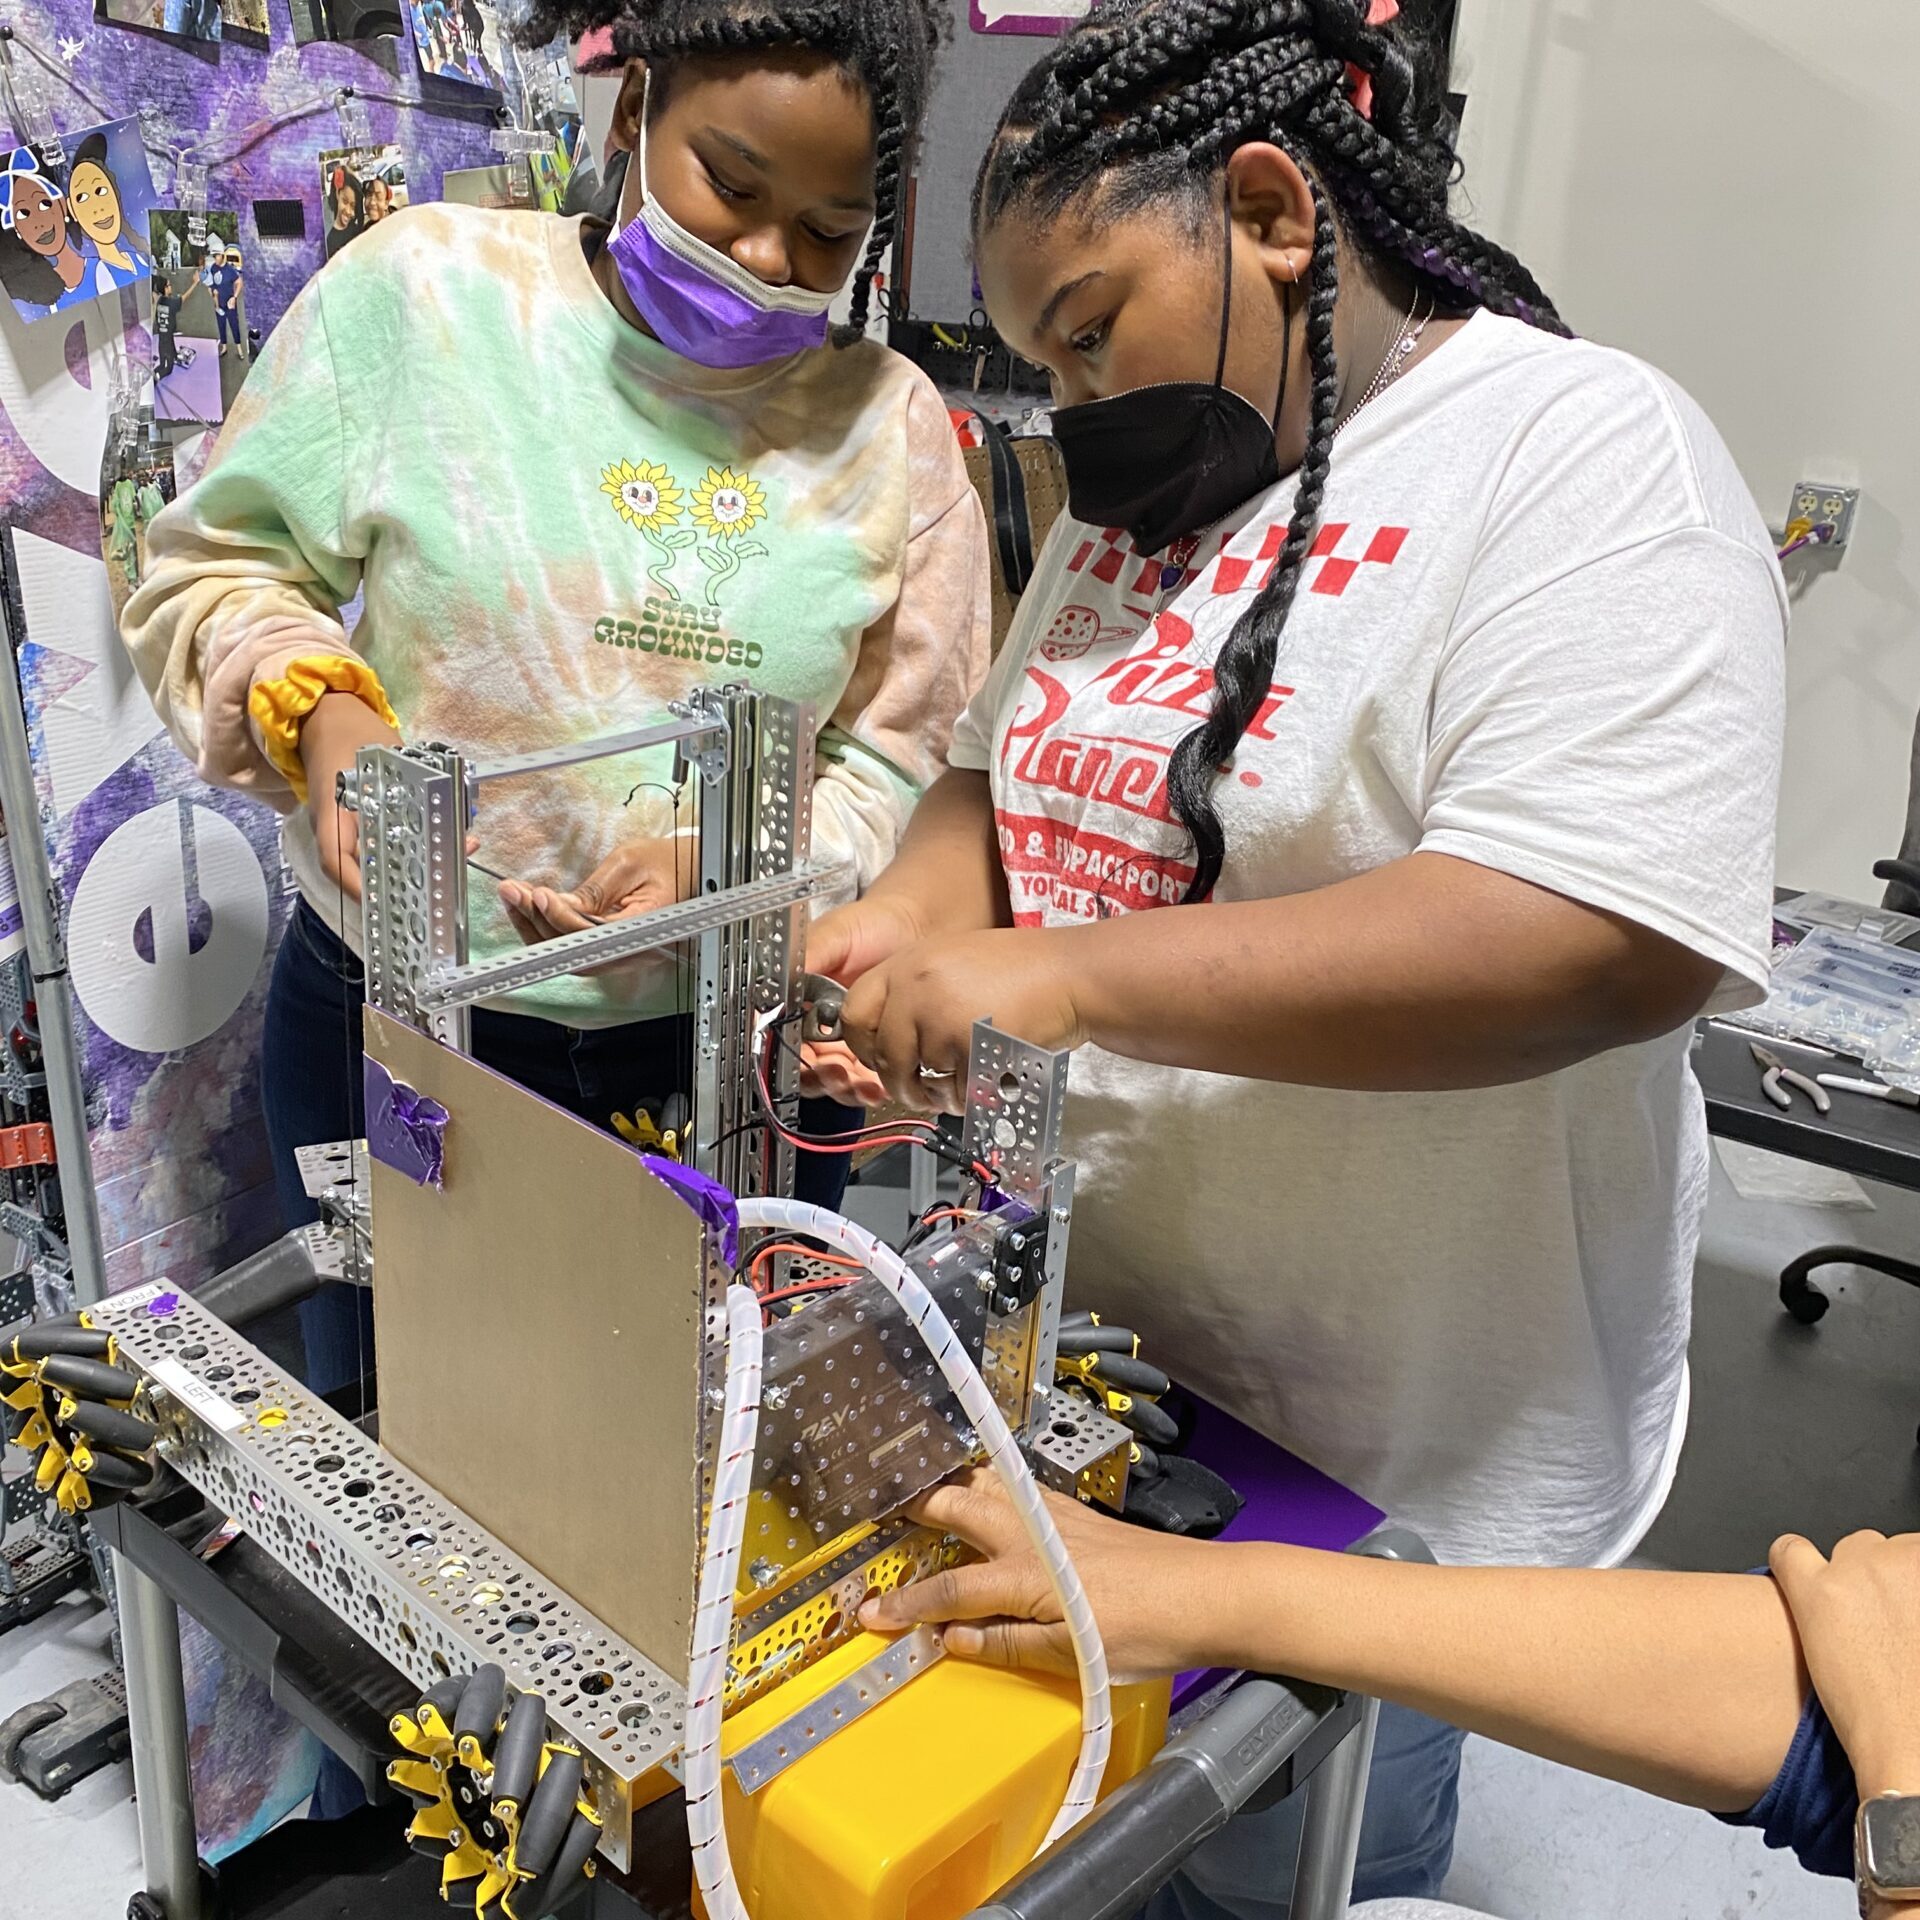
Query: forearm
x=860, y=809
x=1685, y=1685
x=947, y=873
x=1427, y=973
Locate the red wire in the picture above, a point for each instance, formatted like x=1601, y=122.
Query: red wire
x=805, y=1286
x=763, y=1254
x=882, y=1134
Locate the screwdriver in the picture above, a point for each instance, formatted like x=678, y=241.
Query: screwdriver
x=1873, y=1089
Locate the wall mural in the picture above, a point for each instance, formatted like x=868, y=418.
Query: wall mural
x=172, y=893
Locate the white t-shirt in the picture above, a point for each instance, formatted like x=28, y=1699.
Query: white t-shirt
x=1542, y=630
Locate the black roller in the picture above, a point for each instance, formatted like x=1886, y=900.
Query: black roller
x=516, y=1757
x=1072, y=1322
x=1074, y=1341
x=117, y=1471
x=1152, y=1425
x=1147, y=1467
x=88, y=1379
x=62, y=1336
x=110, y=1427
x=444, y=1695
x=478, y=1714
x=1122, y=1370
x=549, y=1815
x=563, y=1880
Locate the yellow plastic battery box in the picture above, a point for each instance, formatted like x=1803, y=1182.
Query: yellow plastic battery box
x=925, y=1804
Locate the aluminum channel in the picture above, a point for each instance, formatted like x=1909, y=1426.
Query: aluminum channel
x=426, y=1587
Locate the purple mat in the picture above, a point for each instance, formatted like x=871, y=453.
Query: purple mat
x=1286, y=1500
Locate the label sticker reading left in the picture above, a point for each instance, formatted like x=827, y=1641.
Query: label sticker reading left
x=197, y=1395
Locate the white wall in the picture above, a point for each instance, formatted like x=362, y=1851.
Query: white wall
x=1727, y=187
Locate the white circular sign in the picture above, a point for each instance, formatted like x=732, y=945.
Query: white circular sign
x=168, y=929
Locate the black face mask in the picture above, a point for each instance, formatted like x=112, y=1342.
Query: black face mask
x=1171, y=460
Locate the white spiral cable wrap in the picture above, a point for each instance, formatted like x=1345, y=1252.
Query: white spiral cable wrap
x=713, y=1610
x=1003, y=1454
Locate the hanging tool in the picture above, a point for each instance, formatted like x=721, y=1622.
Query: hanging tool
x=1776, y=1078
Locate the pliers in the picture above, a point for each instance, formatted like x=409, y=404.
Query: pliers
x=1776, y=1077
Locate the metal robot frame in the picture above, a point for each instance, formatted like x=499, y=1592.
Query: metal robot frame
x=431, y=1589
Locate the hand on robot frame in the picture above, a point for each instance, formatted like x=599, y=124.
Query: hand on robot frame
x=498, y=1797
x=71, y=1404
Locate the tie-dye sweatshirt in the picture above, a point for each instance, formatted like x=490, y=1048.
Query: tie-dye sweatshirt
x=558, y=526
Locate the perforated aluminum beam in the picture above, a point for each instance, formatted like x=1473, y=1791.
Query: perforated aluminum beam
x=431, y=1591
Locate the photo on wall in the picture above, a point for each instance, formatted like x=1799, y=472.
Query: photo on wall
x=74, y=231
x=199, y=308
x=247, y=18
x=458, y=40
x=134, y=486
x=184, y=19
x=359, y=187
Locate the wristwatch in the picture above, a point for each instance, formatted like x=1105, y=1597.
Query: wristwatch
x=1886, y=1850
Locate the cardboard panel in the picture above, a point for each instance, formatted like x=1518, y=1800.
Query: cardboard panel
x=538, y=1323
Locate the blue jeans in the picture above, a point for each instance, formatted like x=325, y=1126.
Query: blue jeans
x=1406, y=1836
x=310, y=1091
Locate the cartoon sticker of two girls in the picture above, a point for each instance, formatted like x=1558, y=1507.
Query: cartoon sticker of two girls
x=62, y=244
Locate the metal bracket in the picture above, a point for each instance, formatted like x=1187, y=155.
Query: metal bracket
x=1082, y=1451
x=765, y=1758
x=16, y=1297
x=448, y=987
x=20, y=1499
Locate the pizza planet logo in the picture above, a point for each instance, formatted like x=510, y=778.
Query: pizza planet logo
x=679, y=632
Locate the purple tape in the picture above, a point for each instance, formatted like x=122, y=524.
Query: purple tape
x=405, y=1130
x=707, y=1197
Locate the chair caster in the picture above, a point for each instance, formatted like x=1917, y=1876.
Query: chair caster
x=143, y=1906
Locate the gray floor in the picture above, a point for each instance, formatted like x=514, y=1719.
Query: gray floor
x=1810, y=1430
x=1794, y=1429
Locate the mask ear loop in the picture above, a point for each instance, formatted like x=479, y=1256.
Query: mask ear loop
x=1226, y=286
x=640, y=136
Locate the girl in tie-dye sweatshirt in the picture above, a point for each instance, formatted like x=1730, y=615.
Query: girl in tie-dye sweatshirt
x=558, y=525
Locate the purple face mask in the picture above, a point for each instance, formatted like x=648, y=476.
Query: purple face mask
x=697, y=300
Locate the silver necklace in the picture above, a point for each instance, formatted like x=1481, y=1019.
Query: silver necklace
x=1402, y=350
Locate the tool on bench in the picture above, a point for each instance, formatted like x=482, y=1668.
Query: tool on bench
x=1873, y=1089
x=1776, y=1077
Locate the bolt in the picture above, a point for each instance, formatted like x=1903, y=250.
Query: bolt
x=775, y=1397
x=764, y=1573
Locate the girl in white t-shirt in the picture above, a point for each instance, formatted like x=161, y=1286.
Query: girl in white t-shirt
x=1429, y=661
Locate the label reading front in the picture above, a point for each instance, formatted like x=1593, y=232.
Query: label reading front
x=197, y=1395
x=140, y=1296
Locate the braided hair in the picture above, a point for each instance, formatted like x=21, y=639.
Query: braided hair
x=1144, y=102
x=888, y=46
